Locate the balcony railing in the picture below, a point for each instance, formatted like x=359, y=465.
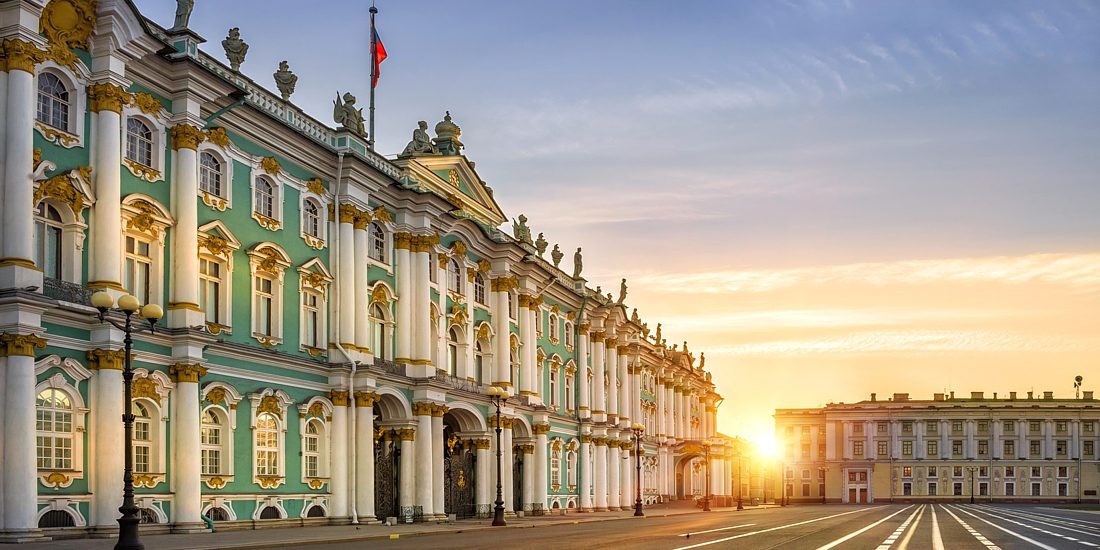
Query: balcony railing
x=66, y=292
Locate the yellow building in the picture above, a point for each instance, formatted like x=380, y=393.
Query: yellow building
x=1033, y=448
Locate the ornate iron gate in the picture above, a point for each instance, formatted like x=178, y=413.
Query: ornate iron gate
x=387, y=454
x=459, y=467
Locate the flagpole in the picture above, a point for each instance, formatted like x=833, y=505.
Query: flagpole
x=373, y=68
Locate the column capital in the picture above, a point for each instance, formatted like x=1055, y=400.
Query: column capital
x=582, y=328
x=586, y=438
x=422, y=408
x=439, y=410
x=527, y=448
x=186, y=372
x=482, y=443
x=402, y=240
x=20, y=345
x=362, y=220
x=20, y=55
x=106, y=359
x=186, y=136
x=611, y=344
x=599, y=336
x=348, y=213
x=406, y=434
x=104, y=96
x=366, y=399
x=540, y=429
x=623, y=350
x=339, y=398
x=505, y=284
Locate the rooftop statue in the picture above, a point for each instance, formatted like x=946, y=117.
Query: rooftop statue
x=183, y=14
x=622, y=292
x=557, y=255
x=702, y=360
x=285, y=80
x=657, y=336
x=520, y=231
x=577, y=264
x=235, y=49
x=541, y=244
x=421, y=143
x=347, y=116
x=634, y=315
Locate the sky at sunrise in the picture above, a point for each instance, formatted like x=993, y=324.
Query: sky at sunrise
x=828, y=198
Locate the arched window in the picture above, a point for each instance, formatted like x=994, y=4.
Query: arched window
x=377, y=239
x=452, y=352
x=568, y=334
x=311, y=449
x=512, y=312
x=553, y=328
x=210, y=175
x=315, y=512
x=264, y=202
x=267, y=446
x=270, y=512
x=54, y=430
x=454, y=276
x=379, y=332
x=571, y=467
x=555, y=466
x=479, y=360
x=569, y=392
x=311, y=219
x=265, y=306
x=53, y=102
x=55, y=519
x=479, y=289
x=143, y=438
x=553, y=384
x=47, y=234
x=212, y=441
x=139, y=142
x=217, y=514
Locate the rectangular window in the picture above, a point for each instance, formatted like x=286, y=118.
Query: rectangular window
x=907, y=489
x=931, y=489
x=983, y=426
x=956, y=447
x=933, y=449
x=1010, y=471
x=907, y=471
x=883, y=427
x=1063, y=489
x=805, y=489
x=1034, y=427
x=907, y=448
x=141, y=459
x=1035, y=447
x=1060, y=447
x=983, y=448
x=956, y=426
x=931, y=428
x=957, y=471
x=882, y=448
x=311, y=319
x=957, y=489
x=1088, y=427
x=1089, y=448
x=1010, y=449
x=983, y=489
x=983, y=471
x=1063, y=471
x=907, y=426
x=1010, y=489
x=1036, y=489
x=264, y=306
x=1060, y=426
x=857, y=428
x=1036, y=471
x=138, y=266
x=210, y=280
x=1009, y=426
x=933, y=471
x=857, y=448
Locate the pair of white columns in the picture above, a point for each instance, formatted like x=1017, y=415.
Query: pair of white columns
x=502, y=361
x=429, y=458
x=599, y=390
x=614, y=479
x=541, y=452
x=584, y=407
x=586, y=473
x=612, y=366
x=19, y=474
x=364, y=456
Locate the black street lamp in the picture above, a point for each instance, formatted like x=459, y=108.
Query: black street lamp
x=128, y=538
x=971, y=469
x=782, y=484
x=499, y=396
x=740, y=454
x=821, y=476
x=638, y=429
x=706, y=497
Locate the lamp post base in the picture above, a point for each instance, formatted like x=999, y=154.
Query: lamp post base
x=638, y=509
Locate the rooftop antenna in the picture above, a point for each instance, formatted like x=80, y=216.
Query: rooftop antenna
x=1078, y=381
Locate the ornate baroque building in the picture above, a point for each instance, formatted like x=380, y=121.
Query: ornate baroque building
x=997, y=449
x=333, y=316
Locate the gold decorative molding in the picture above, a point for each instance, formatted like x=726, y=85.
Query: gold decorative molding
x=144, y=220
x=540, y=429
x=216, y=395
x=215, y=482
x=611, y=343
x=271, y=224
x=315, y=185
x=57, y=479
x=402, y=240
x=101, y=359
x=67, y=24
x=586, y=438
x=439, y=410
x=348, y=213
x=483, y=265
x=21, y=55
x=270, y=404
x=217, y=136
x=142, y=171
x=61, y=189
x=505, y=284
x=271, y=166
x=53, y=135
x=186, y=372
x=316, y=483
x=216, y=245
x=422, y=408
x=459, y=249
x=381, y=214
x=148, y=481
x=214, y=201
x=599, y=336
x=145, y=387
x=149, y=105
x=20, y=345
x=379, y=295
x=366, y=399
x=184, y=136
x=452, y=177
x=482, y=443
x=406, y=434
x=269, y=482
x=339, y=398
x=104, y=96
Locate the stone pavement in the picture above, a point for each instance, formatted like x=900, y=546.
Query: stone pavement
x=298, y=536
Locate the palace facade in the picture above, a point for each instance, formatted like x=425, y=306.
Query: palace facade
x=333, y=316
x=1015, y=448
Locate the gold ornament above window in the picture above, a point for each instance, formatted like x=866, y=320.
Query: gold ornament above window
x=67, y=24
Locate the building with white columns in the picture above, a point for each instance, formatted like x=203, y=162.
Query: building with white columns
x=1008, y=448
x=334, y=316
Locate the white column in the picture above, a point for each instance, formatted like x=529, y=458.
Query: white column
x=345, y=276
x=529, y=470
x=422, y=314
x=945, y=445
x=1048, y=439
x=626, y=404
x=3, y=356
x=364, y=456
x=486, y=476
x=183, y=304
x=599, y=392
x=437, y=460
x=106, y=100
x=541, y=457
x=847, y=439
x=659, y=429
x=405, y=297
x=1021, y=443
x=584, y=407
x=614, y=460
x=17, y=248
x=971, y=445
x=586, y=473
x=626, y=477
x=186, y=444
x=506, y=462
x=338, y=481
x=362, y=291
x=1074, y=435
x=107, y=403
x=526, y=337
x=922, y=450
x=600, y=471
x=424, y=478
x=612, y=366
x=502, y=360
x=408, y=485
x=895, y=442
x=442, y=324
x=20, y=474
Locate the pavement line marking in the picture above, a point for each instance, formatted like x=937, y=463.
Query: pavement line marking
x=1013, y=533
x=1053, y=521
x=909, y=536
x=937, y=538
x=890, y=540
x=1039, y=529
x=856, y=533
x=713, y=530
x=701, y=544
x=974, y=532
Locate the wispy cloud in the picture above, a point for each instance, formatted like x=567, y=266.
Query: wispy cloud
x=1080, y=271
x=831, y=318
x=911, y=342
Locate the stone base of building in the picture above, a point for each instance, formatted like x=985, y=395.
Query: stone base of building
x=190, y=528
x=22, y=535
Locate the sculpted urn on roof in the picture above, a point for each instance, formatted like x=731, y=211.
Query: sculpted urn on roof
x=446, y=136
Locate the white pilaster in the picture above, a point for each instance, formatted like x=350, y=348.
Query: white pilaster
x=405, y=298
x=613, y=463
x=186, y=443
x=437, y=461
x=424, y=459
x=362, y=290
x=584, y=407
x=338, y=481
x=364, y=457
x=586, y=473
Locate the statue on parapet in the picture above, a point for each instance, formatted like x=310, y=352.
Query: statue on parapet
x=285, y=80
x=520, y=231
x=347, y=116
x=657, y=336
x=183, y=14
x=541, y=244
x=578, y=265
x=622, y=292
x=235, y=49
x=556, y=254
x=421, y=143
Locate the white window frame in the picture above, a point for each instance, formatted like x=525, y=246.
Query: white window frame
x=207, y=448
x=456, y=276
x=479, y=285
x=381, y=330
x=66, y=381
x=135, y=208
x=314, y=240
x=281, y=401
x=159, y=137
x=225, y=257
x=224, y=201
x=317, y=411
x=158, y=426
x=374, y=229
x=227, y=408
x=313, y=281
x=76, y=84
x=280, y=261
x=556, y=449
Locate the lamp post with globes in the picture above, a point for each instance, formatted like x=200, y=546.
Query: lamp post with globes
x=638, y=430
x=129, y=306
x=740, y=457
x=499, y=396
x=706, y=493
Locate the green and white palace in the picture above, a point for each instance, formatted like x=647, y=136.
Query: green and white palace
x=334, y=316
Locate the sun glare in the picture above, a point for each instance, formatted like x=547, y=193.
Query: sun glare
x=765, y=444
